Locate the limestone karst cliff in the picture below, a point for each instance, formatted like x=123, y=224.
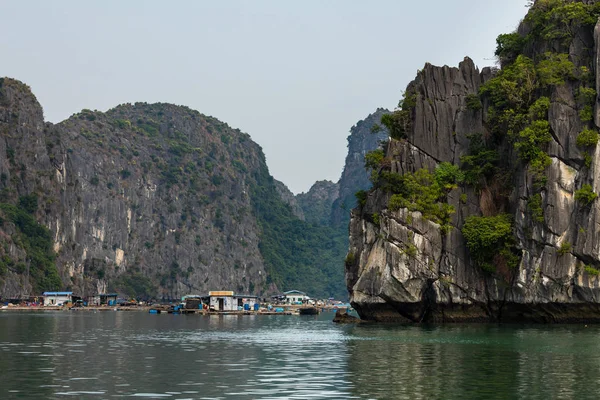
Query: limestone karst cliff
x=363, y=138
x=328, y=203
x=149, y=200
x=484, y=201
x=317, y=203
x=288, y=198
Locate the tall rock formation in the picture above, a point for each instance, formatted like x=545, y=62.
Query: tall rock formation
x=149, y=200
x=365, y=136
x=288, y=198
x=317, y=203
x=511, y=235
x=327, y=204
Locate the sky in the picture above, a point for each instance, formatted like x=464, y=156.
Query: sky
x=295, y=75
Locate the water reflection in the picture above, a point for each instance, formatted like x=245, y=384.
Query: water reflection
x=117, y=354
x=470, y=361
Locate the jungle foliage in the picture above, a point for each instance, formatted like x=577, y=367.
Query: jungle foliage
x=298, y=255
x=36, y=240
x=490, y=241
x=585, y=195
x=423, y=191
x=398, y=123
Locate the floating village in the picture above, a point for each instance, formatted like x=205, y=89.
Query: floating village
x=218, y=302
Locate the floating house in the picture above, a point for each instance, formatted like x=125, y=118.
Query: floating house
x=225, y=300
x=57, y=298
x=103, y=299
x=294, y=297
x=221, y=300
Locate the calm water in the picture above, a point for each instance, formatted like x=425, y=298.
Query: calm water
x=109, y=355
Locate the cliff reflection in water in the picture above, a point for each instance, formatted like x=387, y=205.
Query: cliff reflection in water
x=474, y=361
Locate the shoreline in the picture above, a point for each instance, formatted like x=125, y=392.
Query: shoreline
x=288, y=309
x=93, y=308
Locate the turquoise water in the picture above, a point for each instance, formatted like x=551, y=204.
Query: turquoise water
x=107, y=355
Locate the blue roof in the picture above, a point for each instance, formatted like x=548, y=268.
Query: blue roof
x=58, y=293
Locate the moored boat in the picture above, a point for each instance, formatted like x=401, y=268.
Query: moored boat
x=308, y=310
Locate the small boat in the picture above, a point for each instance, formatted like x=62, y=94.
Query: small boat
x=308, y=311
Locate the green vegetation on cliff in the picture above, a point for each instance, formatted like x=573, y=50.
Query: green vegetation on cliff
x=586, y=195
x=587, y=138
x=516, y=112
x=558, y=20
x=398, y=123
x=526, y=139
x=298, y=255
x=159, y=201
x=420, y=191
x=480, y=165
x=317, y=203
x=538, y=66
x=490, y=241
x=518, y=102
x=35, y=241
x=519, y=94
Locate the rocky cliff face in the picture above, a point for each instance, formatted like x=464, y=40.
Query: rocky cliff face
x=511, y=235
x=150, y=200
x=328, y=203
x=288, y=198
x=363, y=138
x=326, y=206
x=23, y=151
x=317, y=203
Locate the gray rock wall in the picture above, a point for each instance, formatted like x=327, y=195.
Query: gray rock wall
x=288, y=198
x=145, y=199
x=440, y=282
x=317, y=203
x=362, y=139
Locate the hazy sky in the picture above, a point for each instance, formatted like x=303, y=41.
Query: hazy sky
x=295, y=75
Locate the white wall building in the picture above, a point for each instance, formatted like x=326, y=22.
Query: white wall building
x=295, y=296
x=222, y=301
x=225, y=300
x=57, y=298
